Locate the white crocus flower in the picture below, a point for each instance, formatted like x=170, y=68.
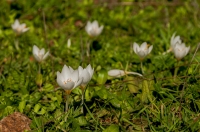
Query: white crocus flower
x=68, y=79
x=38, y=54
x=180, y=51
x=86, y=74
x=174, y=40
x=19, y=28
x=93, y=29
x=119, y=73
x=116, y=73
x=142, y=50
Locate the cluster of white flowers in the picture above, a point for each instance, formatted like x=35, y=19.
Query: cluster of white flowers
x=69, y=78
x=177, y=47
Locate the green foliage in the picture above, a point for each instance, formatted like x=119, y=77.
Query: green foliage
x=112, y=128
x=158, y=101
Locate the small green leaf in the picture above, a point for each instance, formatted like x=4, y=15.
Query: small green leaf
x=2, y=106
x=37, y=108
x=112, y=128
x=145, y=92
x=48, y=87
x=42, y=111
x=82, y=121
x=89, y=93
x=77, y=91
x=39, y=79
x=102, y=113
x=132, y=84
x=102, y=76
x=35, y=97
x=21, y=106
x=102, y=93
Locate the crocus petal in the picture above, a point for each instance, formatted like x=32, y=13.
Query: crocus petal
x=78, y=83
x=80, y=70
x=86, y=76
x=13, y=26
x=23, y=25
x=35, y=53
x=69, y=86
x=35, y=49
x=91, y=73
x=71, y=69
x=42, y=51
x=135, y=47
x=150, y=48
x=175, y=40
x=46, y=55
x=87, y=27
x=16, y=24
x=90, y=70
x=95, y=24
x=25, y=29
x=60, y=80
x=100, y=29
x=36, y=57
x=66, y=72
x=187, y=49
x=143, y=46
x=75, y=76
x=142, y=54
x=178, y=54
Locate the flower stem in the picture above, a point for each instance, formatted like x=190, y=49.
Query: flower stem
x=141, y=65
x=134, y=73
x=88, y=49
x=17, y=43
x=83, y=96
x=39, y=68
x=67, y=103
x=176, y=70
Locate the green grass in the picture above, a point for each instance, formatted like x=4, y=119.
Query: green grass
x=156, y=102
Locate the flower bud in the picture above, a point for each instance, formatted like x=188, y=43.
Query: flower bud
x=116, y=73
x=69, y=43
